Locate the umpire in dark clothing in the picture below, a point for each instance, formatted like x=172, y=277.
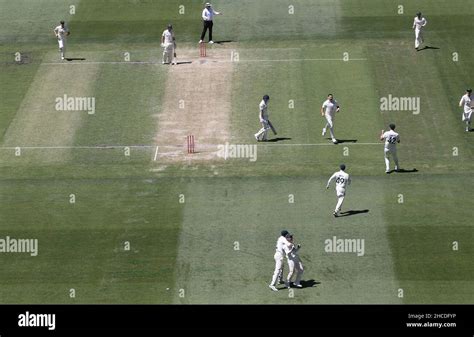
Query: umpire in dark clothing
x=207, y=16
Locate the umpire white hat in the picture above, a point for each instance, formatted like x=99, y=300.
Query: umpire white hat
x=208, y=4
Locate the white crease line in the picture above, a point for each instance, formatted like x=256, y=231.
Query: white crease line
x=192, y=60
x=167, y=146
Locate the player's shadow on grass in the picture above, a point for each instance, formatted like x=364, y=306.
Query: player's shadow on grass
x=75, y=59
x=340, y=141
x=353, y=212
x=223, y=41
x=413, y=170
x=309, y=283
x=184, y=62
x=428, y=47
x=277, y=139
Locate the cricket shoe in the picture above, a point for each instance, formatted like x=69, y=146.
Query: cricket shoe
x=335, y=214
x=256, y=138
x=287, y=285
x=200, y=41
x=467, y=129
x=62, y=57
x=324, y=132
x=298, y=285
x=334, y=141
x=272, y=287
x=211, y=42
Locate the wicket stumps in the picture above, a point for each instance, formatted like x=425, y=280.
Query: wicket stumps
x=202, y=49
x=190, y=140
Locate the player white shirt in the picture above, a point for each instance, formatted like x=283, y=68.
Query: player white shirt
x=419, y=23
x=168, y=36
x=330, y=107
x=281, y=244
x=290, y=251
x=466, y=103
x=342, y=179
x=391, y=139
x=264, y=109
x=61, y=32
x=208, y=14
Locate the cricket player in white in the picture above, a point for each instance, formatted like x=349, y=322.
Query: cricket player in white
x=294, y=262
x=328, y=110
x=342, y=181
x=263, y=116
x=467, y=104
x=418, y=23
x=391, y=139
x=279, y=256
x=168, y=42
x=61, y=32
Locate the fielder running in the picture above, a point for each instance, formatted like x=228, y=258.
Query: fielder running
x=61, y=32
x=279, y=255
x=294, y=262
x=328, y=110
x=391, y=139
x=342, y=181
x=168, y=42
x=418, y=23
x=467, y=103
x=264, y=121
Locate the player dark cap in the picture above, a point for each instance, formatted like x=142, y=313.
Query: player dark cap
x=284, y=232
x=418, y=14
x=170, y=25
x=61, y=22
x=392, y=126
x=469, y=90
x=342, y=167
x=266, y=97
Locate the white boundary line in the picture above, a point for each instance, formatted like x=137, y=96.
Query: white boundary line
x=104, y=147
x=211, y=61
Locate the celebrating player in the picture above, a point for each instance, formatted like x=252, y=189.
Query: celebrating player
x=342, y=181
x=391, y=139
x=466, y=103
x=418, y=23
x=328, y=110
x=61, y=32
x=294, y=262
x=279, y=255
x=168, y=42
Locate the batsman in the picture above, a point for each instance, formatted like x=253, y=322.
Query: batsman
x=261, y=135
x=168, y=42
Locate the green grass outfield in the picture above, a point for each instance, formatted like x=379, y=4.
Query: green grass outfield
x=184, y=252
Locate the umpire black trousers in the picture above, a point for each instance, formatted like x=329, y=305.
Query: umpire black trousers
x=206, y=25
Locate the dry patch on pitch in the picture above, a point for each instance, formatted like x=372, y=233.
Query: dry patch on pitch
x=197, y=102
x=37, y=122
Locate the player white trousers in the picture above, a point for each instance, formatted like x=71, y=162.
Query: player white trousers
x=330, y=124
x=418, y=37
x=168, y=52
x=341, y=194
x=277, y=274
x=390, y=152
x=264, y=130
x=466, y=117
x=294, y=263
x=62, y=47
